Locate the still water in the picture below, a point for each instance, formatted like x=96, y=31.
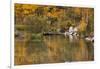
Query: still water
x=53, y=49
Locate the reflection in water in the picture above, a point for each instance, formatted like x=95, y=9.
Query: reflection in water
x=52, y=49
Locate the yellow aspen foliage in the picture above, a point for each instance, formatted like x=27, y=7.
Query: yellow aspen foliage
x=77, y=11
x=82, y=25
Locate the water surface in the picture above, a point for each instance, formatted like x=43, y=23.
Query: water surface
x=53, y=49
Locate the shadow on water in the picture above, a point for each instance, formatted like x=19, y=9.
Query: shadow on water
x=53, y=49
